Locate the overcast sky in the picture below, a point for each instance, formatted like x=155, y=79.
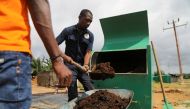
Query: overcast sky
x=65, y=13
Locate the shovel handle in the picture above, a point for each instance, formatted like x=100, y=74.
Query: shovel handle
x=158, y=69
x=78, y=66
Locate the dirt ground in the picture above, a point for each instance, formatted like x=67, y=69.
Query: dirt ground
x=177, y=94
x=38, y=89
x=41, y=90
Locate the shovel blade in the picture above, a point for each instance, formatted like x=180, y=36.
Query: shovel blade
x=167, y=106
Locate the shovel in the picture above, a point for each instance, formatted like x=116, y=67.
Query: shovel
x=80, y=67
x=167, y=105
x=91, y=72
x=123, y=93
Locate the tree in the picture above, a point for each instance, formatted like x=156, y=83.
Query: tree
x=41, y=65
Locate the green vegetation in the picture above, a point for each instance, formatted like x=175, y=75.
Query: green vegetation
x=41, y=65
x=156, y=73
x=186, y=76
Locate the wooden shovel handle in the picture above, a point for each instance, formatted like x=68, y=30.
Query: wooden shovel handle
x=158, y=69
x=78, y=66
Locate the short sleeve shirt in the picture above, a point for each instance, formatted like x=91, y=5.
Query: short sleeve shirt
x=14, y=26
x=77, y=42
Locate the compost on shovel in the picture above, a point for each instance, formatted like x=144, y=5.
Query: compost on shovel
x=102, y=71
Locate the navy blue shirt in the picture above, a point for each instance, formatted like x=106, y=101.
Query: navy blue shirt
x=77, y=42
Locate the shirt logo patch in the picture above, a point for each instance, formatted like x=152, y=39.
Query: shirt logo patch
x=86, y=36
x=2, y=60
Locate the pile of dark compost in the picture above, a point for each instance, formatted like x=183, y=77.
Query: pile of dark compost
x=103, y=99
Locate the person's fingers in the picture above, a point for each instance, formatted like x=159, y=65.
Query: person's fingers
x=67, y=82
x=61, y=82
x=70, y=80
x=71, y=61
x=84, y=69
x=86, y=66
x=64, y=81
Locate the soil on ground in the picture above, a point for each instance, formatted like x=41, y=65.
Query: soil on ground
x=178, y=94
x=102, y=71
x=103, y=99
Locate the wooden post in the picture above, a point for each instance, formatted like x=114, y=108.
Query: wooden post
x=178, y=53
x=177, y=45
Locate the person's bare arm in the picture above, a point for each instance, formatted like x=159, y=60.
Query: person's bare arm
x=40, y=13
x=67, y=58
x=87, y=59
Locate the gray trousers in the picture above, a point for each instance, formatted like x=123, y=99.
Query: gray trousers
x=83, y=78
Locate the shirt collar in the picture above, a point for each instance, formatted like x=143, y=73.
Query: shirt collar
x=82, y=30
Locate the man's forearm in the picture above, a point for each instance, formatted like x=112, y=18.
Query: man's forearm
x=87, y=58
x=40, y=13
x=64, y=56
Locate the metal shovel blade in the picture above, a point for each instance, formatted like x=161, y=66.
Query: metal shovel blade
x=167, y=105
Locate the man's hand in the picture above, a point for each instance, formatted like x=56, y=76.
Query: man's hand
x=63, y=73
x=67, y=58
x=85, y=67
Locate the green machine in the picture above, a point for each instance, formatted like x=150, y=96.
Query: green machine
x=127, y=48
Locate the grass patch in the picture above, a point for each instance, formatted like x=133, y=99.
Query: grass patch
x=187, y=104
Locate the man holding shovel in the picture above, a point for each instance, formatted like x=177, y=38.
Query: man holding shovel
x=15, y=50
x=79, y=42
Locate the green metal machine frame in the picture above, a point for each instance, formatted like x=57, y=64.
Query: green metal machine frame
x=127, y=34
